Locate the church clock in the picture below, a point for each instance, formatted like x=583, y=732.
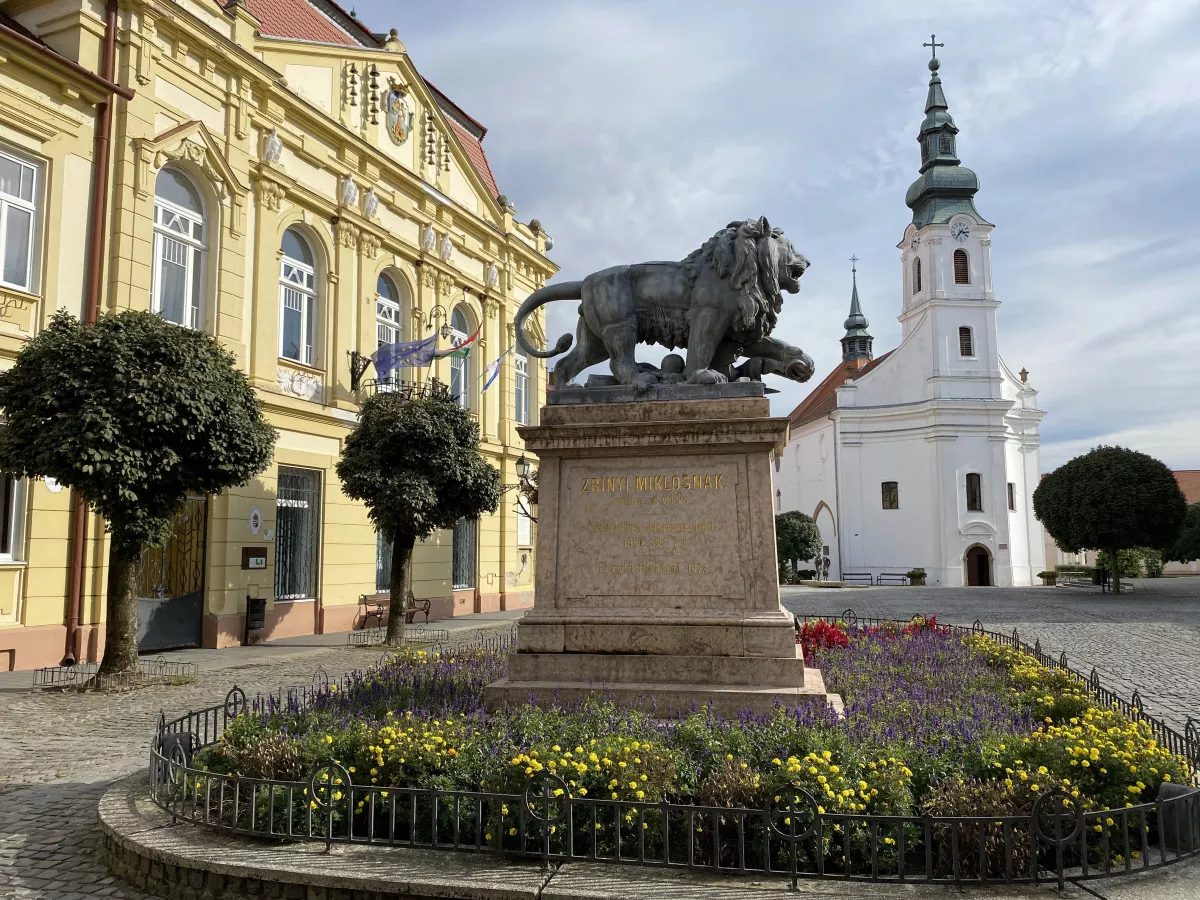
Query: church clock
x=960, y=231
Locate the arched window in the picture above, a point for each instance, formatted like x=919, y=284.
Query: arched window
x=974, y=492
x=297, y=299
x=962, y=267
x=389, y=320
x=460, y=366
x=177, y=279
x=521, y=398
x=916, y=272
x=966, y=341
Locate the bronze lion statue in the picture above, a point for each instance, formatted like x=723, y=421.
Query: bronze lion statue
x=720, y=303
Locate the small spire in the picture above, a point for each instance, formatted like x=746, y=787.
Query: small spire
x=857, y=342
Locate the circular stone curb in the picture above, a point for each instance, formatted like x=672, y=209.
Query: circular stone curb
x=176, y=860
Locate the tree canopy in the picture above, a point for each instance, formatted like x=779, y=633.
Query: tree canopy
x=1110, y=499
x=796, y=537
x=134, y=413
x=415, y=464
x=1186, y=546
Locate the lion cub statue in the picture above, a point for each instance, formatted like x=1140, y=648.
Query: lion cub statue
x=720, y=303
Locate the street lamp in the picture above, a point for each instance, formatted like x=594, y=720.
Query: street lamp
x=523, y=467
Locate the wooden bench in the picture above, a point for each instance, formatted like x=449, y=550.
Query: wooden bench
x=374, y=607
x=892, y=578
x=858, y=578
x=414, y=606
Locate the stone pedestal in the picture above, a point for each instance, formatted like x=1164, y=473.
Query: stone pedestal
x=656, y=577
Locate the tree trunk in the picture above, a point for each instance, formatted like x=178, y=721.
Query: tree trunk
x=121, y=627
x=402, y=551
x=1116, y=571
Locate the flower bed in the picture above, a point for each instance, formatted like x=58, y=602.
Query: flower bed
x=934, y=722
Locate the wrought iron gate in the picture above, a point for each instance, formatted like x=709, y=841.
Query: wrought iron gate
x=462, y=572
x=170, y=583
x=297, y=534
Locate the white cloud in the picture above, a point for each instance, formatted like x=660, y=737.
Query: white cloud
x=635, y=130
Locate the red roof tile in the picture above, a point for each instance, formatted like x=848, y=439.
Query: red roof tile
x=1189, y=483
x=297, y=20
x=822, y=400
x=473, y=147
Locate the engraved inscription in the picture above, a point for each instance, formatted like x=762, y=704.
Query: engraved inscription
x=651, y=533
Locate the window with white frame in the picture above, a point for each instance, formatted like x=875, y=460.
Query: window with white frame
x=19, y=195
x=177, y=285
x=297, y=299
x=521, y=389
x=460, y=366
x=11, y=517
x=389, y=323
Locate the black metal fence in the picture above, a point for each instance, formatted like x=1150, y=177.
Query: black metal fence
x=86, y=675
x=791, y=837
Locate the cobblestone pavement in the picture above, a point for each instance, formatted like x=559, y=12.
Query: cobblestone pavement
x=59, y=751
x=1148, y=640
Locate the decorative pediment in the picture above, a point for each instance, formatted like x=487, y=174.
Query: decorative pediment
x=190, y=143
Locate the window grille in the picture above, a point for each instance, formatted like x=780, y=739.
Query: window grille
x=966, y=342
x=916, y=275
x=962, y=267
x=383, y=563
x=297, y=533
x=974, y=492
x=462, y=572
x=891, y=495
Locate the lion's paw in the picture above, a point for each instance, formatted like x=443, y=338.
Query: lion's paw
x=708, y=376
x=645, y=380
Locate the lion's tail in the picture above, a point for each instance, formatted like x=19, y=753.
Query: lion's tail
x=565, y=290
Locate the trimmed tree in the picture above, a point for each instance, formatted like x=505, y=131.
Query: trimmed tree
x=1110, y=499
x=134, y=413
x=1186, y=546
x=796, y=537
x=415, y=463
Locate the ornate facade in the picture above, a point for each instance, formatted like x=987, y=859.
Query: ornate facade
x=276, y=179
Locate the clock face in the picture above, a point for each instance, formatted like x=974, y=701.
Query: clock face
x=960, y=231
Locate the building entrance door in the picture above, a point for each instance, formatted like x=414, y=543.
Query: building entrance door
x=979, y=567
x=170, y=583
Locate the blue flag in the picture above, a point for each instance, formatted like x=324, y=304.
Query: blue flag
x=493, y=370
x=394, y=356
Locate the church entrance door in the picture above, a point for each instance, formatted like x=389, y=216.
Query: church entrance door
x=979, y=567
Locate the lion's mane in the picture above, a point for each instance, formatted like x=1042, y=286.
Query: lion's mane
x=744, y=253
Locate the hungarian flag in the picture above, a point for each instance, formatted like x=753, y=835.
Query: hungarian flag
x=493, y=369
x=458, y=351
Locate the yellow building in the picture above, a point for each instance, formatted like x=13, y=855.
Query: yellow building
x=283, y=179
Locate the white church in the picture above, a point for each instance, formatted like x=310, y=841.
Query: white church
x=926, y=456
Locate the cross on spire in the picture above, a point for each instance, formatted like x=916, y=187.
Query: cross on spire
x=933, y=44
x=853, y=266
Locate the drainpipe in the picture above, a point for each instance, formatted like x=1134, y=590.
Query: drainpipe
x=91, y=308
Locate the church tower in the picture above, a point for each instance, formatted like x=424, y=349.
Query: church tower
x=945, y=254
x=857, y=344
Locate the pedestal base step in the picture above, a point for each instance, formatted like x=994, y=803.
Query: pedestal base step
x=665, y=700
x=621, y=668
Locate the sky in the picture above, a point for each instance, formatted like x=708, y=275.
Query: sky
x=635, y=130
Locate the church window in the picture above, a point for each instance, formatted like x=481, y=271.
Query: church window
x=947, y=144
x=1012, y=496
x=974, y=492
x=891, y=495
x=917, y=275
x=966, y=341
x=962, y=267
